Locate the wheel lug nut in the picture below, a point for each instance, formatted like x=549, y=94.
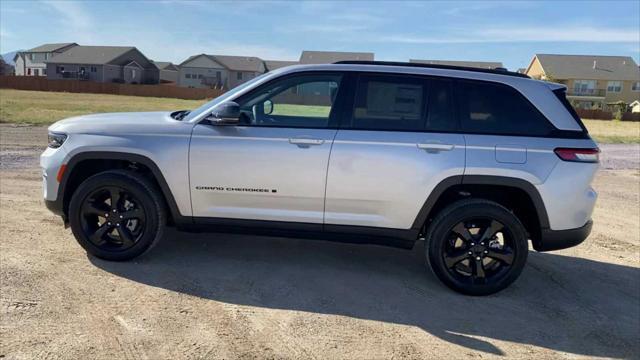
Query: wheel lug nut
x=482, y=243
x=486, y=252
x=469, y=252
x=117, y=224
x=478, y=258
x=473, y=244
x=114, y=210
x=109, y=224
x=106, y=215
x=120, y=216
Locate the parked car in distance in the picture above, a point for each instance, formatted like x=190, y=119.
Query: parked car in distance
x=477, y=163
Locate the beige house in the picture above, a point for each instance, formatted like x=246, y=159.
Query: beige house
x=218, y=71
x=472, y=64
x=592, y=81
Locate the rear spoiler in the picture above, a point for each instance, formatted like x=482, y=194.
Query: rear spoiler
x=556, y=86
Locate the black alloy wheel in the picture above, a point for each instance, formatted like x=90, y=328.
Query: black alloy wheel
x=117, y=215
x=479, y=251
x=476, y=246
x=112, y=218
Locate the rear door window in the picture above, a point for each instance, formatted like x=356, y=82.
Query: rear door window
x=490, y=108
x=389, y=103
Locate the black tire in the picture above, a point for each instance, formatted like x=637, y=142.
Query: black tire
x=125, y=231
x=468, y=254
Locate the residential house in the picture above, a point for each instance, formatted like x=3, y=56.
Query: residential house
x=219, y=71
x=472, y=64
x=329, y=57
x=168, y=71
x=32, y=62
x=121, y=64
x=593, y=81
x=271, y=65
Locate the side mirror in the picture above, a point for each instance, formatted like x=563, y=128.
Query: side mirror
x=268, y=107
x=227, y=113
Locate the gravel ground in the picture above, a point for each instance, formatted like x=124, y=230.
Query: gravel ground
x=231, y=296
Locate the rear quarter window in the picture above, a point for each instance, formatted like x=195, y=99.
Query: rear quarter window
x=491, y=108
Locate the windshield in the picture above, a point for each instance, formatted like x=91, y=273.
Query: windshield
x=208, y=105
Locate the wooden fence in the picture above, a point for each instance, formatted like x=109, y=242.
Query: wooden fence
x=606, y=115
x=40, y=83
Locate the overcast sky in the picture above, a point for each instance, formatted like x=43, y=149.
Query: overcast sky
x=172, y=30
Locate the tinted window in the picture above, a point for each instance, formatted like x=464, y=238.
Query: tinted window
x=389, y=103
x=488, y=108
x=440, y=115
x=300, y=101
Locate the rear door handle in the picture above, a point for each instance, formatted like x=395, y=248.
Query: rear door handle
x=305, y=142
x=435, y=147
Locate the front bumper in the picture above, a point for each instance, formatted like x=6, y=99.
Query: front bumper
x=561, y=239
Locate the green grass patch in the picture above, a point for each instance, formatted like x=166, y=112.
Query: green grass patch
x=44, y=108
x=301, y=110
x=614, y=132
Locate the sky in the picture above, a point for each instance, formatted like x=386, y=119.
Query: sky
x=171, y=30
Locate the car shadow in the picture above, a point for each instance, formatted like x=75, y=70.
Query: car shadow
x=561, y=303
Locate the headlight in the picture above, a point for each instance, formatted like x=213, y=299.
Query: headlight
x=56, y=140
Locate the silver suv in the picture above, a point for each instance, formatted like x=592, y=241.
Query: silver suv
x=475, y=162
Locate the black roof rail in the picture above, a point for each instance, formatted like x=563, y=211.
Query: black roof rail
x=499, y=71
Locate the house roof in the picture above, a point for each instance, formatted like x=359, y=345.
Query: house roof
x=329, y=57
x=96, y=55
x=165, y=65
x=50, y=47
x=473, y=64
x=276, y=64
x=235, y=63
x=588, y=67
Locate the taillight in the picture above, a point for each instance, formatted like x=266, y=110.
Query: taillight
x=578, y=155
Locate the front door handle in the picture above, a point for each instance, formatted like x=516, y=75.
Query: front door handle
x=435, y=147
x=305, y=142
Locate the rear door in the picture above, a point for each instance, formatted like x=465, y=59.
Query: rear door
x=273, y=165
x=396, y=145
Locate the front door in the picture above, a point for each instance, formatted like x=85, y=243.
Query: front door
x=273, y=165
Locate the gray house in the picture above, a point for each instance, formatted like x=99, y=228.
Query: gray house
x=5, y=68
x=32, y=62
x=168, y=71
x=271, y=65
x=218, y=71
x=329, y=57
x=121, y=64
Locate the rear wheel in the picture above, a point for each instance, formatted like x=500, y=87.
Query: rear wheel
x=477, y=247
x=116, y=215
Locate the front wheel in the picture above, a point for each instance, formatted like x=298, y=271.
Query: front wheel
x=477, y=247
x=116, y=215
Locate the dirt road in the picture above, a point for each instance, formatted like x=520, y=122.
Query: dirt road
x=230, y=296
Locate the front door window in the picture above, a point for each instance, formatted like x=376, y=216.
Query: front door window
x=300, y=101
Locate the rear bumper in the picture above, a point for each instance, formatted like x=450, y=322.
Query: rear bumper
x=561, y=239
x=55, y=206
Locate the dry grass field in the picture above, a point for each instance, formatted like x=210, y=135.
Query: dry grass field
x=43, y=108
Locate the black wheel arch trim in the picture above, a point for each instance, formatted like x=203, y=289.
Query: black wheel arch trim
x=447, y=183
x=60, y=206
